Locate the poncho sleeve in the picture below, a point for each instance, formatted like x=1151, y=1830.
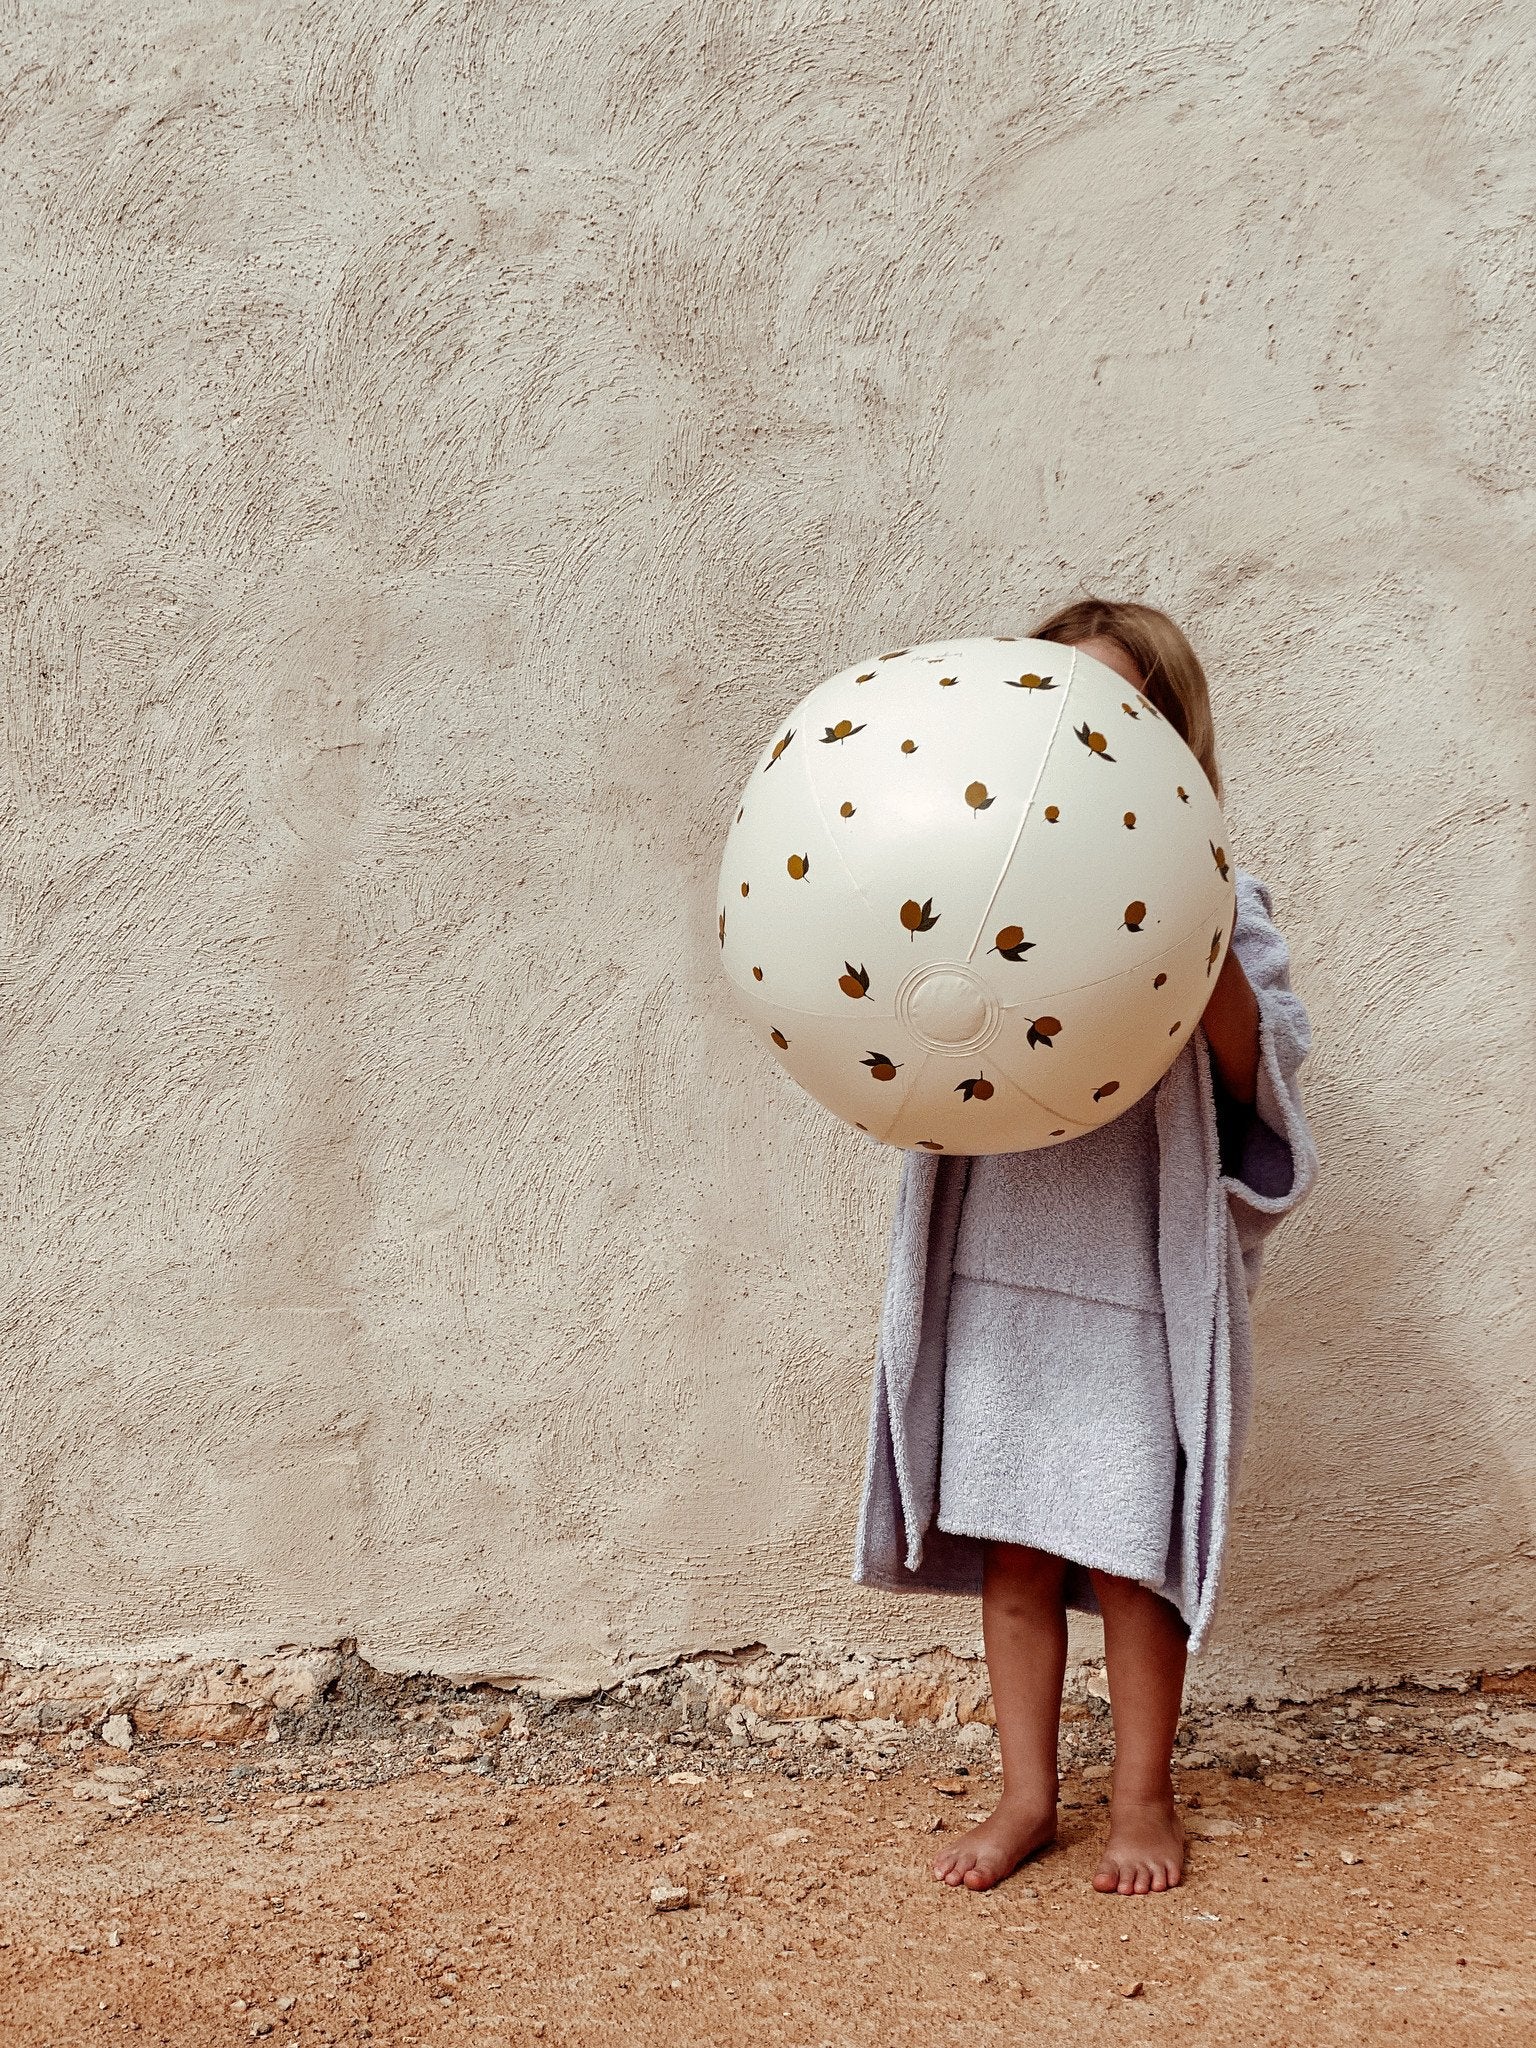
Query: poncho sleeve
x=1269, y=1157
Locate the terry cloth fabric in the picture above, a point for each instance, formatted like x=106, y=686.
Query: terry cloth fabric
x=1058, y=1427
x=1227, y=1173
x=1058, y=1423
x=1080, y=1218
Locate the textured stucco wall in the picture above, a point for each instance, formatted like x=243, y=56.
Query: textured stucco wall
x=439, y=440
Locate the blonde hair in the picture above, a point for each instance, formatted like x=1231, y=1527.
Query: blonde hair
x=1172, y=677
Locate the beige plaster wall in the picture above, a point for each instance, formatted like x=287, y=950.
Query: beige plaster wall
x=439, y=441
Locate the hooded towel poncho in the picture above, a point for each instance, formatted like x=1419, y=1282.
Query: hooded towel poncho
x=1227, y=1174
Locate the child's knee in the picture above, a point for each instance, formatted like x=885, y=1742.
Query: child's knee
x=1114, y=1590
x=1112, y=1585
x=1022, y=1572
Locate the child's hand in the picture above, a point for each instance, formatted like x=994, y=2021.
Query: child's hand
x=1231, y=1024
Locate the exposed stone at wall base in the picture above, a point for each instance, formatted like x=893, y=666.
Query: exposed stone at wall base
x=178, y=1700
x=318, y=1694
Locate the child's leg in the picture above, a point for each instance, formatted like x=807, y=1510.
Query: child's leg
x=1024, y=1626
x=1144, y=1649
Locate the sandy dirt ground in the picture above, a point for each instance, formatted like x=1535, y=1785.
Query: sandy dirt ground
x=501, y=1892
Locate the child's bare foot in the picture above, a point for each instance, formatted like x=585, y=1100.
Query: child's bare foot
x=1014, y=1830
x=1145, y=1851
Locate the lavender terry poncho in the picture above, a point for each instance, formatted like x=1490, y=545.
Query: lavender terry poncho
x=1226, y=1176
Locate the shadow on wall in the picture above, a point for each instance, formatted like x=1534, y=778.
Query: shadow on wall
x=1379, y=1521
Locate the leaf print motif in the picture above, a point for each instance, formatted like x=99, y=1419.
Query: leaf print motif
x=918, y=917
x=1011, y=943
x=855, y=982
x=976, y=796
x=900, y=651
x=1042, y=1031
x=779, y=748
x=799, y=866
x=1107, y=1088
x=1183, y=794
x=1052, y=813
x=1129, y=712
x=977, y=1089
x=1029, y=682
x=845, y=810
x=930, y=1144
x=722, y=927
x=843, y=730
x=881, y=1066
x=778, y=1038
x=1210, y=958
x=1135, y=914
x=1095, y=742
x=867, y=677
x=1130, y=821
x=1158, y=980
x=909, y=746
x=1219, y=854
x=948, y=682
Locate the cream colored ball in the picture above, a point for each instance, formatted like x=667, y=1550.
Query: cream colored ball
x=976, y=895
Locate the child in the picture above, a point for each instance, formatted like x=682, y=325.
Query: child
x=1062, y=1373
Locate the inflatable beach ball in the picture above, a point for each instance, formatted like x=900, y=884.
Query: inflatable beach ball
x=976, y=895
